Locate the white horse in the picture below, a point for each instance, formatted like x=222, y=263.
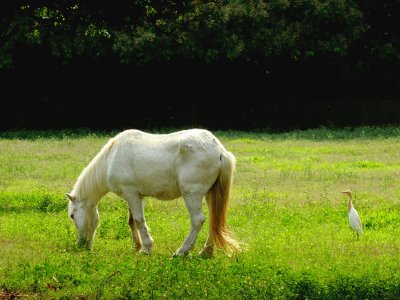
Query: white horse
x=134, y=164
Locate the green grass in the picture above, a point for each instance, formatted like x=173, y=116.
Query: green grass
x=286, y=208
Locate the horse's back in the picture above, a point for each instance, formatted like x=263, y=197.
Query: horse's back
x=196, y=140
x=188, y=134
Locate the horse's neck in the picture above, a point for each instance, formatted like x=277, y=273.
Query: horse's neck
x=91, y=184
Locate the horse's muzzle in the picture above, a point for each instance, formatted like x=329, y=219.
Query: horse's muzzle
x=84, y=243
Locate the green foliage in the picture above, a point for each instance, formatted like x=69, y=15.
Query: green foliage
x=140, y=31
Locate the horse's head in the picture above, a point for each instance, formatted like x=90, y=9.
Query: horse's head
x=86, y=218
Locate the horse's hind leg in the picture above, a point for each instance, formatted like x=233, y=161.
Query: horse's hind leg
x=197, y=219
x=136, y=207
x=208, y=249
x=135, y=232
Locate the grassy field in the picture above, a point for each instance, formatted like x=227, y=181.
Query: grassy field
x=286, y=207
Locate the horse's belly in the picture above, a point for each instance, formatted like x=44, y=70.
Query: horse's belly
x=163, y=189
x=165, y=194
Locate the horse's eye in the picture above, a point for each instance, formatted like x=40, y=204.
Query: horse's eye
x=72, y=216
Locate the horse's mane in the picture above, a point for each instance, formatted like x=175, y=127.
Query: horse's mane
x=91, y=181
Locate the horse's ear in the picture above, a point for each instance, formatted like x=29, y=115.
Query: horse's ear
x=70, y=197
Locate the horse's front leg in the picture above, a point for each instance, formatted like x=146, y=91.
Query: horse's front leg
x=135, y=232
x=197, y=219
x=139, y=222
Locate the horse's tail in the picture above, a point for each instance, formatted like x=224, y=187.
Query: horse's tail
x=218, y=200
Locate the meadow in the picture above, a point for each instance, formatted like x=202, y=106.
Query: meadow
x=286, y=209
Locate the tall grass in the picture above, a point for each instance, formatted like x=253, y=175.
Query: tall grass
x=286, y=208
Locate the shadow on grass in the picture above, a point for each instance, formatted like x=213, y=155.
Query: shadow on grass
x=40, y=202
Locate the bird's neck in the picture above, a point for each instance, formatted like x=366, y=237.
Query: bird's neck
x=350, y=204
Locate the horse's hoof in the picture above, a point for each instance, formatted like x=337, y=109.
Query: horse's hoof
x=205, y=253
x=179, y=254
x=175, y=255
x=144, y=252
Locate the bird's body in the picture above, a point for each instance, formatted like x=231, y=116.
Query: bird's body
x=354, y=218
x=355, y=221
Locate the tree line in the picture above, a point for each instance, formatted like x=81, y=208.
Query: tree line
x=277, y=51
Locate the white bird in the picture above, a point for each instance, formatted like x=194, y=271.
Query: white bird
x=354, y=218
